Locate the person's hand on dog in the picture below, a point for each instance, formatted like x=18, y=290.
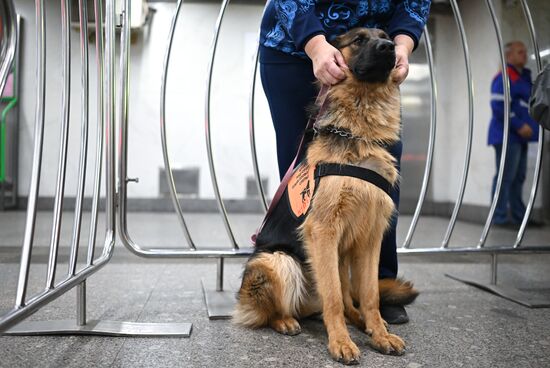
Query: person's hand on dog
x=403, y=49
x=328, y=62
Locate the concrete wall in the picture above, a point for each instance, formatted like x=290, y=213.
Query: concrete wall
x=186, y=89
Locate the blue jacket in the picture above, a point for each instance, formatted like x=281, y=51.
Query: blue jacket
x=288, y=25
x=520, y=92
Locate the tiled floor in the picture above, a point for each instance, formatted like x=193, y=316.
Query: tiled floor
x=452, y=325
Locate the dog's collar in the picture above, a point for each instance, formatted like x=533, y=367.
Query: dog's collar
x=332, y=129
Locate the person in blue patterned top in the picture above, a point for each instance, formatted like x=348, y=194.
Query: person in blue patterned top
x=295, y=50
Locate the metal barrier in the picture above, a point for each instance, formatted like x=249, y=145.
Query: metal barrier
x=105, y=149
x=218, y=302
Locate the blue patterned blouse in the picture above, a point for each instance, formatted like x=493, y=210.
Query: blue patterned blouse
x=287, y=25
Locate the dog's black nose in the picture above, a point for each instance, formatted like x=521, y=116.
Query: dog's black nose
x=384, y=45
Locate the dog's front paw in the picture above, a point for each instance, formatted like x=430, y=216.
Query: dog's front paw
x=388, y=343
x=344, y=351
x=286, y=326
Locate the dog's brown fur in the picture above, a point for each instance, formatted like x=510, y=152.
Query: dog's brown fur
x=342, y=233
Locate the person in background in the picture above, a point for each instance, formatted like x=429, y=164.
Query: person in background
x=523, y=129
x=295, y=50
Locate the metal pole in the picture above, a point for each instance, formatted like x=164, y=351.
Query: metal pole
x=494, y=268
x=464, y=180
x=98, y=11
x=252, y=128
x=252, y=125
x=36, y=302
x=208, y=134
x=83, y=14
x=506, y=84
x=110, y=104
x=81, y=303
x=219, y=274
x=540, y=149
x=37, y=155
x=431, y=142
x=124, y=87
x=62, y=163
x=167, y=165
x=123, y=149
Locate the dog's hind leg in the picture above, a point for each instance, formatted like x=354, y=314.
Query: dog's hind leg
x=271, y=293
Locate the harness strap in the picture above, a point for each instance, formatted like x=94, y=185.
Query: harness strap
x=322, y=101
x=354, y=171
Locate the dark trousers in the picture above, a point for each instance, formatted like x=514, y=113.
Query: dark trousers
x=289, y=88
x=515, y=171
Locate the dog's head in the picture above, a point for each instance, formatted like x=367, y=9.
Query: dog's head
x=369, y=53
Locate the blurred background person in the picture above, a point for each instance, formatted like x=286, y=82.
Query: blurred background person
x=523, y=129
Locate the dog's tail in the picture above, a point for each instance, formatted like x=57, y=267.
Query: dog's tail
x=273, y=286
x=396, y=292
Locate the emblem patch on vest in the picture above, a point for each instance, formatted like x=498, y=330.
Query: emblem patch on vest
x=300, y=189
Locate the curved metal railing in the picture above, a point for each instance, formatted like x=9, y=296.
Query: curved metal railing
x=252, y=125
x=506, y=84
x=208, y=130
x=431, y=141
x=129, y=243
x=470, y=82
x=168, y=167
x=62, y=161
x=252, y=130
x=538, y=163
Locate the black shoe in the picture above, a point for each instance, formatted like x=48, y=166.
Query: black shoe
x=507, y=225
x=534, y=223
x=394, y=314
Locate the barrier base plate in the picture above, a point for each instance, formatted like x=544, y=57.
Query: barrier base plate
x=103, y=328
x=219, y=304
x=527, y=299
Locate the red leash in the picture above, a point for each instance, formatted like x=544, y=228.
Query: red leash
x=322, y=101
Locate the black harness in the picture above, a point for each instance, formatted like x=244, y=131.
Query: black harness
x=278, y=231
x=358, y=172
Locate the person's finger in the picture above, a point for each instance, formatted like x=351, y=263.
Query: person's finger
x=400, y=74
x=340, y=60
x=328, y=79
x=321, y=77
x=335, y=71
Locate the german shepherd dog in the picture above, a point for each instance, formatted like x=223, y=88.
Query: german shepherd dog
x=342, y=233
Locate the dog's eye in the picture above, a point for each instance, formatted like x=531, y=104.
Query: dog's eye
x=360, y=40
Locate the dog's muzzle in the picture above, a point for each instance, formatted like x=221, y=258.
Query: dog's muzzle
x=375, y=62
